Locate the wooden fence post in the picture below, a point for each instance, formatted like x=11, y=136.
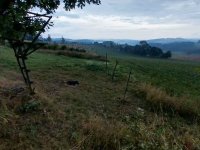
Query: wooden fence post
x=107, y=64
x=126, y=89
x=114, y=70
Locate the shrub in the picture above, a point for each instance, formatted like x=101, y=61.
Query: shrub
x=63, y=47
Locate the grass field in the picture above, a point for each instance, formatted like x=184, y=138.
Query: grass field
x=160, y=111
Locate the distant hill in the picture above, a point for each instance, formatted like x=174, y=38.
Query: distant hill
x=171, y=40
x=160, y=41
x=180, y=45
x=129, y=41
x=80, y=41
x=91, y=41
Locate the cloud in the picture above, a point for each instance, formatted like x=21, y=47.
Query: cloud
x=130, y=19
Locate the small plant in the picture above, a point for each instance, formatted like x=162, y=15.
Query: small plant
x=29, y=106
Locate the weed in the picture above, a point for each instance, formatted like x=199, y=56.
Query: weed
x=30, y=106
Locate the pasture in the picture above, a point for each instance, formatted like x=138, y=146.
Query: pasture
x=159, y=111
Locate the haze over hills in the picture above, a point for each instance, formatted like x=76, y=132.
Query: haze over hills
x=179, y=45
x=171, y=40
x=129, y=41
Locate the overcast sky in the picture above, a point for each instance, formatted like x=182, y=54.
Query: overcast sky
x=130, y=19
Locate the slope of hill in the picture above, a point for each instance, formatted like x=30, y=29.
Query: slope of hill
x=159, y=111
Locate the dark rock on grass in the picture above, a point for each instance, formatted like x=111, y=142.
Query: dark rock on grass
x=72, y=82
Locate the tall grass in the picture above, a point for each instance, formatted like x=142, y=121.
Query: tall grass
x=157, y=97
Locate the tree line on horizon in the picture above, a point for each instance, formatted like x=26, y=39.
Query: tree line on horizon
x=146, y=50
x=142, y=49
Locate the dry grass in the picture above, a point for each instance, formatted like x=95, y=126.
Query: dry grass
x=99, y=133
x=157, y=96
x=51, y=127
x=102, y=134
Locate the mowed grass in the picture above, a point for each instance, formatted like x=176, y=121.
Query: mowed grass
x=94, y=115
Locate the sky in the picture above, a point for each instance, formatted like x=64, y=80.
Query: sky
x=129, y=19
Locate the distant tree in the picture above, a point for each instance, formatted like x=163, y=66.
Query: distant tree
x=63, y=40
x=144, y=49
x=49, y=38
x=108, y=44
x=155, y=52
x=144, y=44
x=96, y=43
x=168, y=54
x=18, y=19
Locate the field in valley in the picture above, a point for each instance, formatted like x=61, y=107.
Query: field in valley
x=160, y=109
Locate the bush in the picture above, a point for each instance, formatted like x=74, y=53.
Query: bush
x=63, y=47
